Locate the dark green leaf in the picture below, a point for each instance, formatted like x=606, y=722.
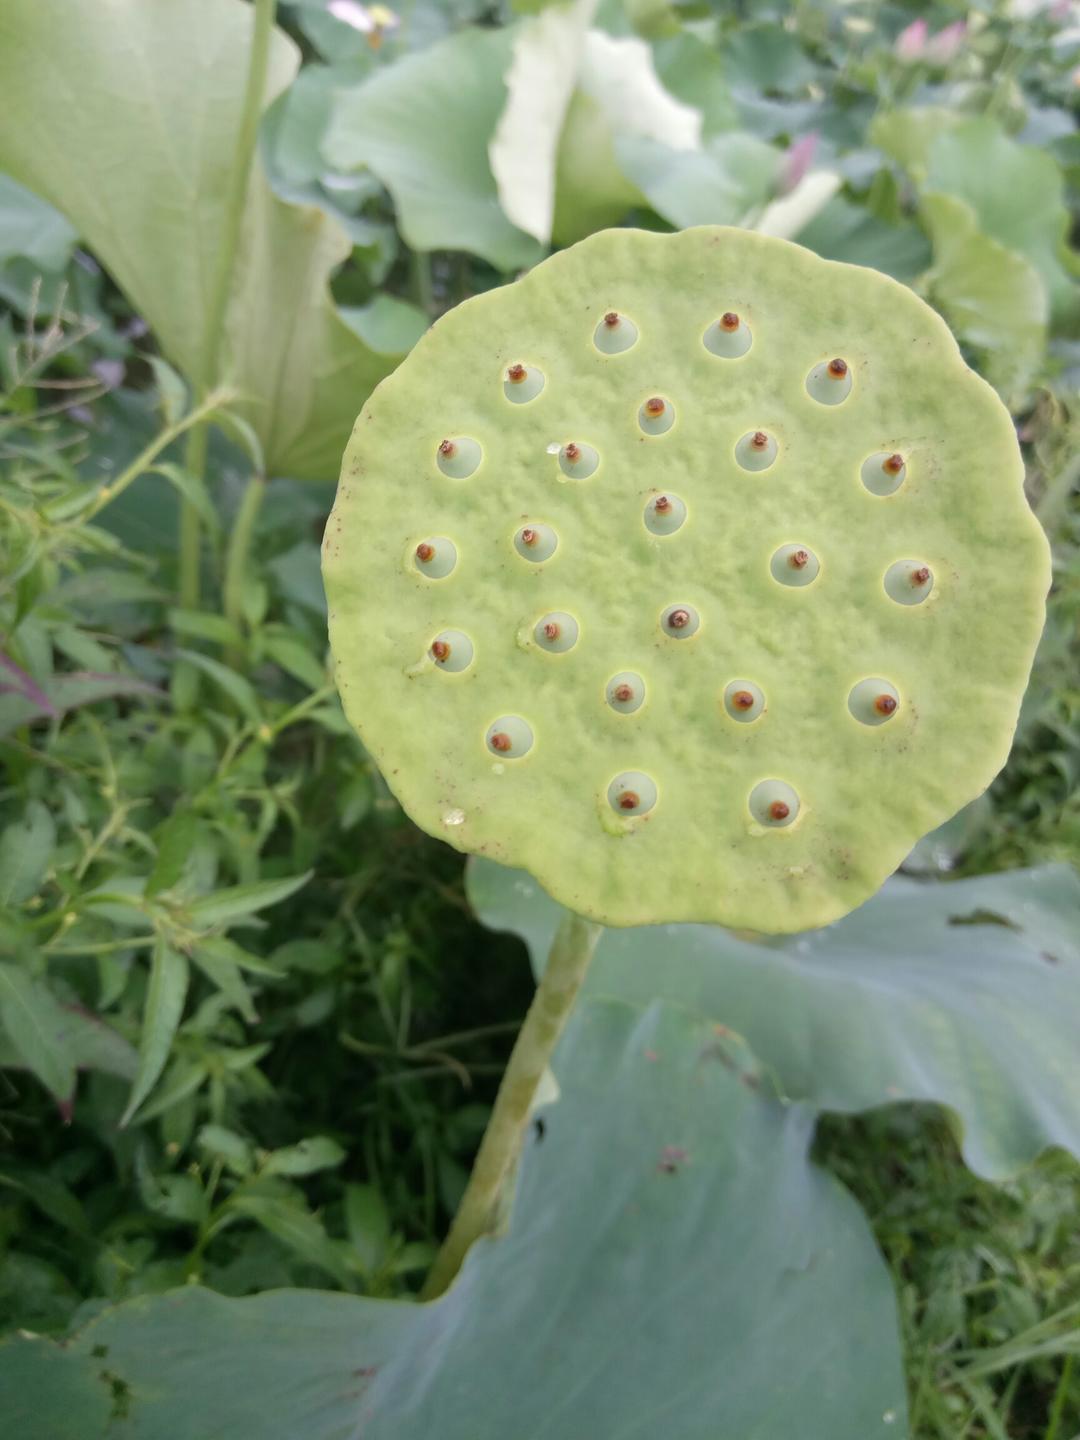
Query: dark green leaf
x=161, y=1015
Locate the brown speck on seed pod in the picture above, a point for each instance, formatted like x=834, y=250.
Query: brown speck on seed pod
x=798, y=559
x=425, y=552
x=759, y=440
x=623, y=693
x=552, y=630
x=837, y=369
x=779, y=810
x=729, y=321
x=529, y=536
x=447, y=449
x=611, y=319
x=440, y=650
x=516, y=374
x=662, y=505
x=920, y=576
x=629, y=800
x=893, y=465
x=654, y=406
x=742, y=700
x=501, y=741
x=572, y=453
x=679, y=619
x=885, y=704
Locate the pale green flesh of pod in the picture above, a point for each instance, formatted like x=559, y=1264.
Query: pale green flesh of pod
x=614, y=339
x=656, y=424
x=581, y=462
x=877, y=478
x=556, y=632
x=625, y=692
x=438, y=565
x=795, y=565
x=756, y=450
x=827, y=387
x=768, y=800
x=735, y=696
x=460, y=649
x=680, y=621
x=520, y=392
x=509, y=738
x=632, y=793
x=458, y=456
x=536, y=542
x=874, y=701
x=902, y=585
x=664, y=514
x=727, y=344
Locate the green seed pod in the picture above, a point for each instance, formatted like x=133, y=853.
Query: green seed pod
x=746, y=717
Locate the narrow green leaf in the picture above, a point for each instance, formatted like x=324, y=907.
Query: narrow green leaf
x=297, y=1229
x=296, y=659
x=205, y=627
x=161, y=1016
x=33, y=1020
x=222, y=971
x=234, y=686
x=173, y=391
x=192, y=488
x=227, y=1146
x=239, y=429
x=174, y=841
x=368, y=1224
x=239, y=900
x=318, y=1152
x=25, y=848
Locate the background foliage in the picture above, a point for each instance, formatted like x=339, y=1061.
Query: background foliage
x=248, y=1025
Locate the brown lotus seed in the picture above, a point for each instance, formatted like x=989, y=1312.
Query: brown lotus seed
x=920, y=576
x=447, y=449
x=425, y=552
x=798, y=559
x=679, y=619
x=552, y=630
x=893, y=465
x=729, y=321
x=885, y=704
x=501, y=741
x=662, y=505
x=440, y=650
x=654, y=406
x=759, y=440
x=572, y=452
x=629, y=800
x=516, y=374
x=742, y=700
x=623, y=693
x=529, y=536
x=778, y=810
x=611, y=319
x=837, y=369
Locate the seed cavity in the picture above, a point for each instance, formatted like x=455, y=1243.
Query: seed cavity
x=794, y=565
x=522, y=383
x=615, y=333
x=830, y=382
x=577, y=460
x=680, y=621
x=744, y=701
x=729, y=337
x=884, y=472
x=556, y=632
x=459, y=457
x=908, y=582
x=435, y=557
x=510, y=737
x=756, y=450
x=873, y=701
x=656, y=415
x=632, y=793
x=536, y=542
x=664, y=514
x=774, y=803
x=626, y=692
x=452, y=650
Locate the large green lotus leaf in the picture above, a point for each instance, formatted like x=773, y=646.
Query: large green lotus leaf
x=496, y=567
x=32, y=229
x=674, y=1266
x=727, y=182
x=965, y=993
x=423, y=126
x=125, y=115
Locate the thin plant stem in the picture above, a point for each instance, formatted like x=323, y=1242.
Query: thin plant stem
x=236, y=556
x=221, y=285
x=568, y=961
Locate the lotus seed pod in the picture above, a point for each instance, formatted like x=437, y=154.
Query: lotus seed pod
x=626, y=772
